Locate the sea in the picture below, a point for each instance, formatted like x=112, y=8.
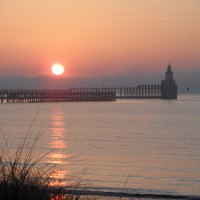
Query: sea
x=149, y=146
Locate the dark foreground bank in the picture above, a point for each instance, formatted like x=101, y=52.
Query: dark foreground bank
x=110, y=194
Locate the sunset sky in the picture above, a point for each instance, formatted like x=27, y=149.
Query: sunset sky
x=111, y=42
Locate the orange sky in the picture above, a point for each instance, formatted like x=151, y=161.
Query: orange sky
x=98, y=37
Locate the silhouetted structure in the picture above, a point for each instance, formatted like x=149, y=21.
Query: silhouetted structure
x=168, y=86
x=166, y=90
x=139, y=92
x=36, y=96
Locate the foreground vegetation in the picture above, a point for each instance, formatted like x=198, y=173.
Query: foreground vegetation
x=22, y=178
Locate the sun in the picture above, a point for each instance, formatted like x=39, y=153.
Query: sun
x=57, y=69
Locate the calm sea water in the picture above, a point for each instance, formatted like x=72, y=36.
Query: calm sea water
x=140, y=145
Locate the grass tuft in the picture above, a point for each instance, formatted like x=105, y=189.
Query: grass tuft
x=22, y=178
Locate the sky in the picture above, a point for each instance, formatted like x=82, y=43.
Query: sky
x=111, y=43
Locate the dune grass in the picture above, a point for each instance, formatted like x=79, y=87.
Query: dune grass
x=22, y=178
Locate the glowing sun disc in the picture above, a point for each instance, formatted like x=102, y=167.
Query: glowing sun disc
x=57, y=69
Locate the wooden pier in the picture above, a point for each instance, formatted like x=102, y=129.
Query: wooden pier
x=34, y=96
x=80, y=94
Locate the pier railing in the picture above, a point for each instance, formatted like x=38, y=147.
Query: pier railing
x=141, y=91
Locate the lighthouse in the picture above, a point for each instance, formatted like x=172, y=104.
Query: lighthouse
x=168, y=86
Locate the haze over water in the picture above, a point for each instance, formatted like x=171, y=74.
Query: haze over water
x=153, y=145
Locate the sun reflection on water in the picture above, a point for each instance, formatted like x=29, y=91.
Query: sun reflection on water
x=59, y=157
x=58, y=197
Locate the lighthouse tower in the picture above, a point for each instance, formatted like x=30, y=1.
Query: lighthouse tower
x=168, y=86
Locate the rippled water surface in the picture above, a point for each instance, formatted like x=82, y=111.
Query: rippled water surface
x=142, y=145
